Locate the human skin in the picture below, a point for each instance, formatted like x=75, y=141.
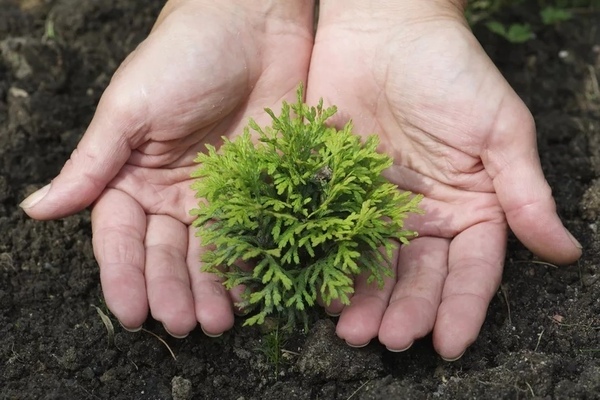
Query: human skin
x=203, y=71
x=408, y=70
x=412, y=72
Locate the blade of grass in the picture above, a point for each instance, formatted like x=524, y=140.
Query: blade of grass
x=162, y=341
x=110, y=329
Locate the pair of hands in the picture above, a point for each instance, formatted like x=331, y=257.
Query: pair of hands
x=409, y=70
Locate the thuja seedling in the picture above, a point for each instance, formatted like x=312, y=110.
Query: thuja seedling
x=298, y=212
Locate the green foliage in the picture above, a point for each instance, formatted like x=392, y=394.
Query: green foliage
x=514, y=33
x=484, y=11
x=297, y=215
x=272, y=343
x=550, y=12
x=552, y=15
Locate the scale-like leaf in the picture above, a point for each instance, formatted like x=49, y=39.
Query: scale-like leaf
x=304, y=204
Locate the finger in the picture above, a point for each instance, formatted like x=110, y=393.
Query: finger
x=167, y=280
x=475, y=262
x=334, y=308
x=213, y=305
x=360, y=320
x=119, y=227
x=103, y=150
x=513, y=162
x=422, y=270
x=238, y=294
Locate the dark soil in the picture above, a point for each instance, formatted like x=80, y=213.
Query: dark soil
x=541, y=337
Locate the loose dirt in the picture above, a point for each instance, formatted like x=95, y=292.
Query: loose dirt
x=541, y=336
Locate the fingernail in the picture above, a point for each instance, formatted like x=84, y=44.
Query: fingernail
x=575, y=241
x=455, y=358
x=400, y=350
x=211, y=335
x=175, y=336
x=357, y=346
x=133, y=330
x=35, y=197
x=332, y=314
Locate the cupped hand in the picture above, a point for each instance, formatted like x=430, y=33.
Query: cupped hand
x=202, y=72
x=412, y=72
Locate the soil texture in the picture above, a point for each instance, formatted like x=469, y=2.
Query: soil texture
x=541, y=338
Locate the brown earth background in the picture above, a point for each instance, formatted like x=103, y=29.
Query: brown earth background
x=540, y=339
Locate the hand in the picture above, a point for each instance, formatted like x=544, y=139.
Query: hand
x=411, y=71
x=200, y=74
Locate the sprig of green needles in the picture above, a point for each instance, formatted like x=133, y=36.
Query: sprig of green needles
x=297, y=212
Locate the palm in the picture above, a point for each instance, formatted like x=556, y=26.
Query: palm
x=439, y=107
x=175, y=108
x=433, y=115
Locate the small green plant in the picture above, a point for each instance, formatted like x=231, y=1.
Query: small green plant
x=298, y=214
x=272, y=342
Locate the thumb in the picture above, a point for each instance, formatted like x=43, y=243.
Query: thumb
x=514, y=165
x=101, y=153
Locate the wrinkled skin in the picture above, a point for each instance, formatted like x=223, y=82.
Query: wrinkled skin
x=201, y=73
x=415, y=75
x=458, y=134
